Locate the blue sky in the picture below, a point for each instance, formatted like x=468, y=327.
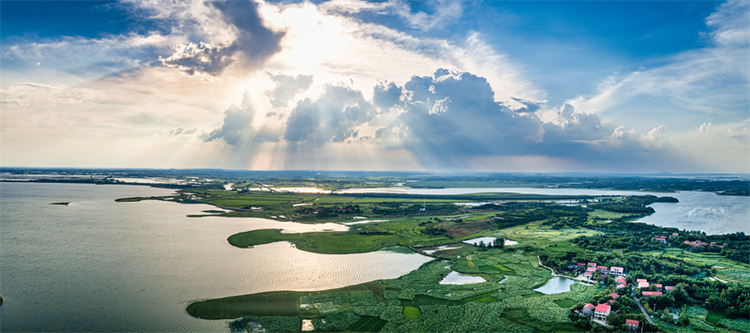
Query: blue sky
x=632, y=86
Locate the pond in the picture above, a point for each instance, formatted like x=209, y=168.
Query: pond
x=556, y=285
x=458, y=278
x=488, y=240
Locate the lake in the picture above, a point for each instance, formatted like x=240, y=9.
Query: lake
x=702, y=211
x=99, y=265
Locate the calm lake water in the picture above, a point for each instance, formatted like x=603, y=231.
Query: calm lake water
x=98, y=265
x=458, y=278
x=556, y=285
x=702, y=211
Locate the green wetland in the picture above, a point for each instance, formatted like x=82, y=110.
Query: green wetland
x=214, y=259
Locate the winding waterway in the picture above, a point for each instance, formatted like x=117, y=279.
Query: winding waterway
x=98, y=265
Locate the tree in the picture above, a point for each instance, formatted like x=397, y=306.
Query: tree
x=684, y=320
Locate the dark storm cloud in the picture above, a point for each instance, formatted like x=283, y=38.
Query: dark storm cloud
x=287, y=86
x=254, y=42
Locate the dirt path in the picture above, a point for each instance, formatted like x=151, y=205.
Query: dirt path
x=560, y=275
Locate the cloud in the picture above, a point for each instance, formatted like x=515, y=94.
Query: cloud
x=237, y=124
x=253, y=42
x=181, y=131
x=443, y=11
x=331, y=118
x=201, y=58
x=287, y=86
x=736, y=133
x=656, y=137
x=705, y=127
x=451, y=118
x=387, y=96
x=452, y=115
x=529, y=106
x=709, y=83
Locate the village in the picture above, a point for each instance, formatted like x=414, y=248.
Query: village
x=600, y=312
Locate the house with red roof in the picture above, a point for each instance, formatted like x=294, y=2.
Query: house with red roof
x=616, y=271
x=588, y=275
x=601, y=312
x=632, y=324
x=614, y=295
x=661, y=239
x=642, y=285
x=592, y=264
x=658, y=287
x=588, y=309
x=651, y=293
x=669, y=288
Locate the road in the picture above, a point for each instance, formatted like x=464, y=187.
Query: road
x=565, y=276
x=637, y=301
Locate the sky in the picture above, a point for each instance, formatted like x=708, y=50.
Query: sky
x=396, y=85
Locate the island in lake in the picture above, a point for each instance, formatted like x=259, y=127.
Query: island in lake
x=551, y=259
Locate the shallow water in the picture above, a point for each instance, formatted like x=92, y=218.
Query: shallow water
x=488, y=241
x=99, y=265
x=458, y=278
x=556, y=285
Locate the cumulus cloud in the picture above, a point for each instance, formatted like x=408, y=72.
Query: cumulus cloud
x=451, y=118
x=736, y=133
x=253, y=42
x=387, y=96
x=656, y=137
x=287, y=86
x=237, y=124
x=331, y=118
x=705, y=127
x=200, y=58
x=529, y=106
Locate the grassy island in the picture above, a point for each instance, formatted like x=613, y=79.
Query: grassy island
x=578, y=237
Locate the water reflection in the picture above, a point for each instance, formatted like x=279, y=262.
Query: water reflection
x=458, y=278
x=556, y=285
x=136, y=266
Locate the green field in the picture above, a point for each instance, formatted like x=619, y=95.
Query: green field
x=559, y=235
x=714, y=317
x=368, y=324
x=318, y=242
x=565, y=303
x=412, y=313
